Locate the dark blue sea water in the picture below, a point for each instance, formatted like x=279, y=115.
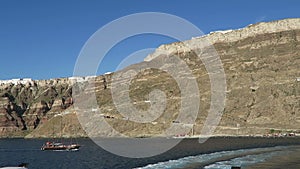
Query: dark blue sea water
x=215, y=153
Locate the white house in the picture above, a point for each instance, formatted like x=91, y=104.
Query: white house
x=16, y=81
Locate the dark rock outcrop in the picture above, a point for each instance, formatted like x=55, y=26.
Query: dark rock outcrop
x=22, y=106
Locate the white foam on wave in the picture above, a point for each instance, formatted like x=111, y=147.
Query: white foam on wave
x=203, y=158
x=242, y=161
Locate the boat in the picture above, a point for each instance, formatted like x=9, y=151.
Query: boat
x=21, y=166
x=13, y=168
x=59, y=146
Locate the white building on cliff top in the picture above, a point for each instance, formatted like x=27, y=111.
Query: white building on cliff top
x=16, y=81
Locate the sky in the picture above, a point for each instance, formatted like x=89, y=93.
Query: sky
x=43, y=39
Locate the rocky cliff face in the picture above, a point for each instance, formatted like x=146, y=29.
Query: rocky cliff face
x=25, y=106
x=261, y=64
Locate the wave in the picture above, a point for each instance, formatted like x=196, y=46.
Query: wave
x=242, y=161
x=222, y=159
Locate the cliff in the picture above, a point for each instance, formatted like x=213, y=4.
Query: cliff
x=261, y=64
x=27, y=104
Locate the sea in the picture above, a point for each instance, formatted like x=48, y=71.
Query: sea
x=215, y=153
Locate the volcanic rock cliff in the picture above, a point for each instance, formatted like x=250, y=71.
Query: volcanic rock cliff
x=27, y=105
x=261, y=64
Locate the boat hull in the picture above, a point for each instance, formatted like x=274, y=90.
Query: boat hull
x=60, y=147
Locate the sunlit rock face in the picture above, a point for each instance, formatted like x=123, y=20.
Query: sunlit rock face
x=261, y=64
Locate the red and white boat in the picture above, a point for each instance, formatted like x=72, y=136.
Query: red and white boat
x=60, y=146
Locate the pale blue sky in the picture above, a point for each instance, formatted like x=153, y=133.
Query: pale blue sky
x=42, y=39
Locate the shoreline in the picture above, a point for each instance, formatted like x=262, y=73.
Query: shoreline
x=187, y=147
x=192, y=147
x=146, y=137
x=288, y=159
